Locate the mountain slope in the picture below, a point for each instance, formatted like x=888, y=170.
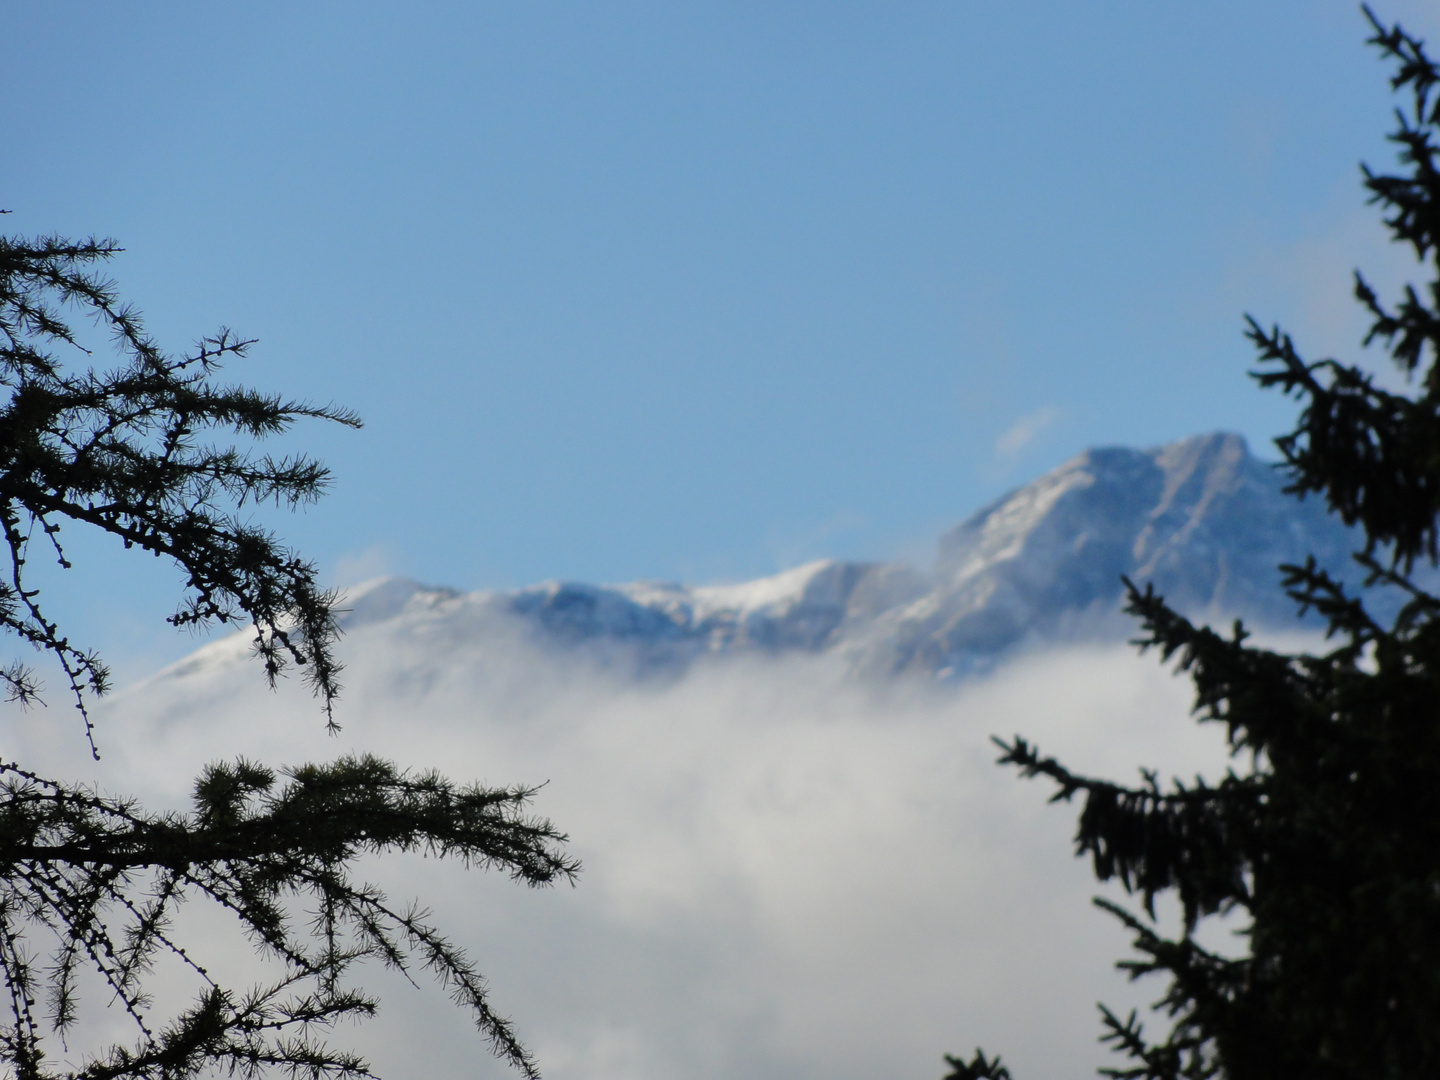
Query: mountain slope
x=1201, y=519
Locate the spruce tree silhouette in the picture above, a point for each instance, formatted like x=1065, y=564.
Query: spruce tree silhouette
x=1324, y=838
x=89, y=883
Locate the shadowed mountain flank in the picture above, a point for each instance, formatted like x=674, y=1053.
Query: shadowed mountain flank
x=1202, y=520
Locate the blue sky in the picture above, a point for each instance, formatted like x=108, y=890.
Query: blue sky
x=701, y=290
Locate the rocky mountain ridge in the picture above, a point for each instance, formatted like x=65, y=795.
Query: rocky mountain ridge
x=1201, y=519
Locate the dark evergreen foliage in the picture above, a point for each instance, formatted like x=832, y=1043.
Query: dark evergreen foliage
x=90, y=883
x=1324, y=838
x=977, y=1068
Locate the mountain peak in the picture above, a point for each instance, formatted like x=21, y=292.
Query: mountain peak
x=1201, y=519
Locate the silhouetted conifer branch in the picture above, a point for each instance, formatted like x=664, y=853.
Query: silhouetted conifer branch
x=90, y=885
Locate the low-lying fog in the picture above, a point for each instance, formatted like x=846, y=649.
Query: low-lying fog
x=788, y=874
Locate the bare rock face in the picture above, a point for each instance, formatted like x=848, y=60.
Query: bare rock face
x=1201, y=520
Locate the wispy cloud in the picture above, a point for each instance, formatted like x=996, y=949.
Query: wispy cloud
x=353, y=567
x=1025, y=430
x=797, y=546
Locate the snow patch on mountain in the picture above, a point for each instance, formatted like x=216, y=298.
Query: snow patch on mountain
x=1202, y=520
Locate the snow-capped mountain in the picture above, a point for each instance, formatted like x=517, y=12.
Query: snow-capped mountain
x=758, y=830
x=1201, y=519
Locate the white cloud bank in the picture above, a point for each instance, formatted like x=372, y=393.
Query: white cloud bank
x=787, y=874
